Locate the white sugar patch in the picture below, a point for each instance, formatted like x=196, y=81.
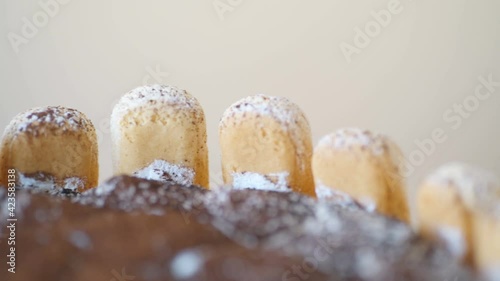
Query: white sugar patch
x=368, y=204
x=324, y=219
x=477, y=188
x=73, y=183
x=354, y=137
x=326, y=193
x=48, y=184
x=277, y=107
x=26, y=182
x=368, y=264
x=454, y=240
x=273, y=181
x=80, y=240
x=186, y=264
x=104, y=189
x=161, y=170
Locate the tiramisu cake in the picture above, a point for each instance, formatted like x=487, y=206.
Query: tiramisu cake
x=157, y=220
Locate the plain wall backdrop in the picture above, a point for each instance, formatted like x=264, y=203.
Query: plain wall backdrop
x=405, y=78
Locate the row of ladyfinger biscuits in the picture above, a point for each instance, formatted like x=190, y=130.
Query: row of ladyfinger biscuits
x=159, y=132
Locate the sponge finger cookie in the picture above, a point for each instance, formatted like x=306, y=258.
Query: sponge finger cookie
x=51, y=148
x=159, y=132
x=456, y=205
x=357, y=163
x=266, y=144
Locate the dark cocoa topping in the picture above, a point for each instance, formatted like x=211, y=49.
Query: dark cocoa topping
x=160, y=231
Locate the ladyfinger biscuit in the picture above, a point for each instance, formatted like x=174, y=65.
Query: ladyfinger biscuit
x=266, y=144
x=356, y=163
x=159, y=132
x=486, y=237
x=52, y=149
x=453, y=206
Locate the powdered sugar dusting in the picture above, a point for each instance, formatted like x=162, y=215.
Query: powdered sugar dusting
x=73, y=183
x=368, y=204
x=454, y=240
x=250, y=216
x=352, y=243
x=186, y=264
x=477, y=188
x=26, y=182
x=80, y=240
x=41, y=182
x=324, y=219
x=345, y=139
x=295, y=224
x=161, y=170
x=288, y=114
x=129, y=193
x=104, y=189
x=277, y=107
x=325, y=193
x=368, y=264
x=155, y=95
x=274, y=181
x=41, y=120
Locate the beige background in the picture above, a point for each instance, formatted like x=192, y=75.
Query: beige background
x=428, y=58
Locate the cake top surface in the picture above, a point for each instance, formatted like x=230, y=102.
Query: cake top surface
x=58, y=233
x=348, y=138
x=476, y=187
x=156, y=96
x=178, y=224
x=281, y=109
x=134, y=193
x=50, y=119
